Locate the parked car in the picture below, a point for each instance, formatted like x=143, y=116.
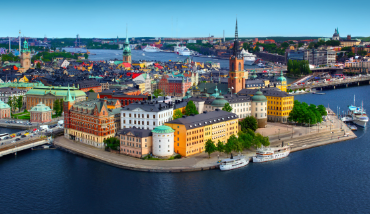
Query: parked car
x=23, y=136
x=19, y=134
x=17, y=139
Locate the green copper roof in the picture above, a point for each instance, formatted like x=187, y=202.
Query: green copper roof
x=56, y=91
x=69, y=97
x=259, y=97
x=188, y=95
x=281, y=78
x=3, y=105
x=40, y=108
x=20, y=84
x=163, y=129
x=219, y=101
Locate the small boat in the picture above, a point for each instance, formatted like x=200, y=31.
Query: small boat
x=143, y=54
x=233, y=163
x=347, y=119
x=269, y=154
x=352, y=127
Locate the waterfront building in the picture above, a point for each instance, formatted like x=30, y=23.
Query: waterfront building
x=146, y=115
x=163, y=137
x=135, y=142
x=191, y=132
x=89, y=122
x=48, y=94
x=279, y=103
x=259, y=106
x=281, y=82
x=4, y=110
x=40, y=114
x=314, y=57
x=236, y=81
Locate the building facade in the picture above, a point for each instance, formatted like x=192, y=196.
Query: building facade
x=40, y=114
x=135, y=142
x=314, y=57
x=4, y=110
x=48, y=94
x=89, y=122
x=87, y=85
x=8, y=93
x=191, y=132
x=163, y=145
x=174, y=86
x=146, y=115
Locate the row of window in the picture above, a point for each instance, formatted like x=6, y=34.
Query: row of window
x=131, y=151
x=167, y=114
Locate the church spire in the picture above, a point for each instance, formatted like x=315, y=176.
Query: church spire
x=236, y=30
x=236, y=42
x=126, y=35
x=69, y=97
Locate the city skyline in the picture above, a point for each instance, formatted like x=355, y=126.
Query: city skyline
x=91, y=19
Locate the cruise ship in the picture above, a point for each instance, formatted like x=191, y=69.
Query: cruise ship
x=184, y=52
x=265, y=154
x=233, y=163
x=151, y=49
x=249, y=58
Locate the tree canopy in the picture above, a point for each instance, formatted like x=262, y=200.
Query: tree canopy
x=210, y=147
x=227, y=107
x=298, y=68
x=248, y=123
x=158, y=92
x=112, y=143
x=177, y=114
x=191, y=108
x=305, y=114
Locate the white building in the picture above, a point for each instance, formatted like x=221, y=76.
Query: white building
x=163, y=144
x=146, y=115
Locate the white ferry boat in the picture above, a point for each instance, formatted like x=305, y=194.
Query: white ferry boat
x=151, y=49
x=269, y=154
x=184, y=52
x=358, y=115
x=249, y=58
x=233, y=163
x=346, y=119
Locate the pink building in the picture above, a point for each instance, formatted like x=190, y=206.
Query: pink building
x=135, y=142
x=4, y=110
x=40, y=113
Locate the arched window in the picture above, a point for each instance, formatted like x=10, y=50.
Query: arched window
x=232, y=66
x=240, y=66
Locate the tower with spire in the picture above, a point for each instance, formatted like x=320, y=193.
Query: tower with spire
x=25, y=58
x=236, y=81
x=126, y=50
x=67, y=105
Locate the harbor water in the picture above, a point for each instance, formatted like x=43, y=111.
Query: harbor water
x=330, y=179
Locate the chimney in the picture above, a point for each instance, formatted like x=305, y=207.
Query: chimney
x=349, y=37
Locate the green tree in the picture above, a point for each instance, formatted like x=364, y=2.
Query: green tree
x=56, y=107
x=350, y=54
x=158, y=92
x=112, y=143
x=249, y=122
x=285, y=45
x=91, y=90
x=322, y=110
x=246, y=138
x=61, y=107
x=260, y=140
x=10, y=103
x=38, y=65
x=20, y=102
x=191, y=108
x=227, y=107
x=210, y=147
x=362, y=53
x=14, y=103
x=86, y=56
x=177, y=114
x=220, y=146
x=230, y=145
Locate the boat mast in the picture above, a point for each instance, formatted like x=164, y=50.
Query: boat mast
x=354, y=100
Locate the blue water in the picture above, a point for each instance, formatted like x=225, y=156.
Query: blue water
x=330, y=179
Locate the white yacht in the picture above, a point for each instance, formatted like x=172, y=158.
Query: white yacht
x=346, y=119
x=151, y=49
x=358, y=114
x=233, y=163
x=261, y=65
x=265, y=154
x=249, y=58
x=184, y=52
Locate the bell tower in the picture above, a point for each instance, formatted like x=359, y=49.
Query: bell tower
x=25, y=58
x=126, y=51
x=236, y=81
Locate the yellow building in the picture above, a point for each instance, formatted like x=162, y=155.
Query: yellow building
x=192, y=132
x=279, y=105
x=282, y=85
x=349, y=42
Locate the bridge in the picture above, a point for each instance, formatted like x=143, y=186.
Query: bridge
x=13, y=148
x=334, y=83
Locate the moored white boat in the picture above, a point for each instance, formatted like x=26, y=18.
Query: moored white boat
x=346, y=119
x=152, y=49
x=184, y=52
x=265, y=154
x=249, y=58
x=233, y=163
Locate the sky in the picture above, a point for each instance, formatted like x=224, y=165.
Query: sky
x=190, y=18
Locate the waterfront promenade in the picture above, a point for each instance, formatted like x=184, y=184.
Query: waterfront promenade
x=304, y=138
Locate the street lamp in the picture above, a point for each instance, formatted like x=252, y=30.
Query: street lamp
x=231, y=91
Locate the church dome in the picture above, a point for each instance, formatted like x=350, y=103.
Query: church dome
x=259, y=97
x=281, y=78
x=219, y=101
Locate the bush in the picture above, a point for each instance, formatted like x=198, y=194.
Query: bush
x=177, y=157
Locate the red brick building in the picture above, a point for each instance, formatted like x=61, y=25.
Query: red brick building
x=124, y=99
x=177, y=86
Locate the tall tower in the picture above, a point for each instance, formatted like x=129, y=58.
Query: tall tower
x=127, y=50
x=20, y=43
x=25, y=58
x=67, y=105
x=236, y=81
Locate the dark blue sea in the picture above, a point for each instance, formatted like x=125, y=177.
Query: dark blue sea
x=330, y=179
